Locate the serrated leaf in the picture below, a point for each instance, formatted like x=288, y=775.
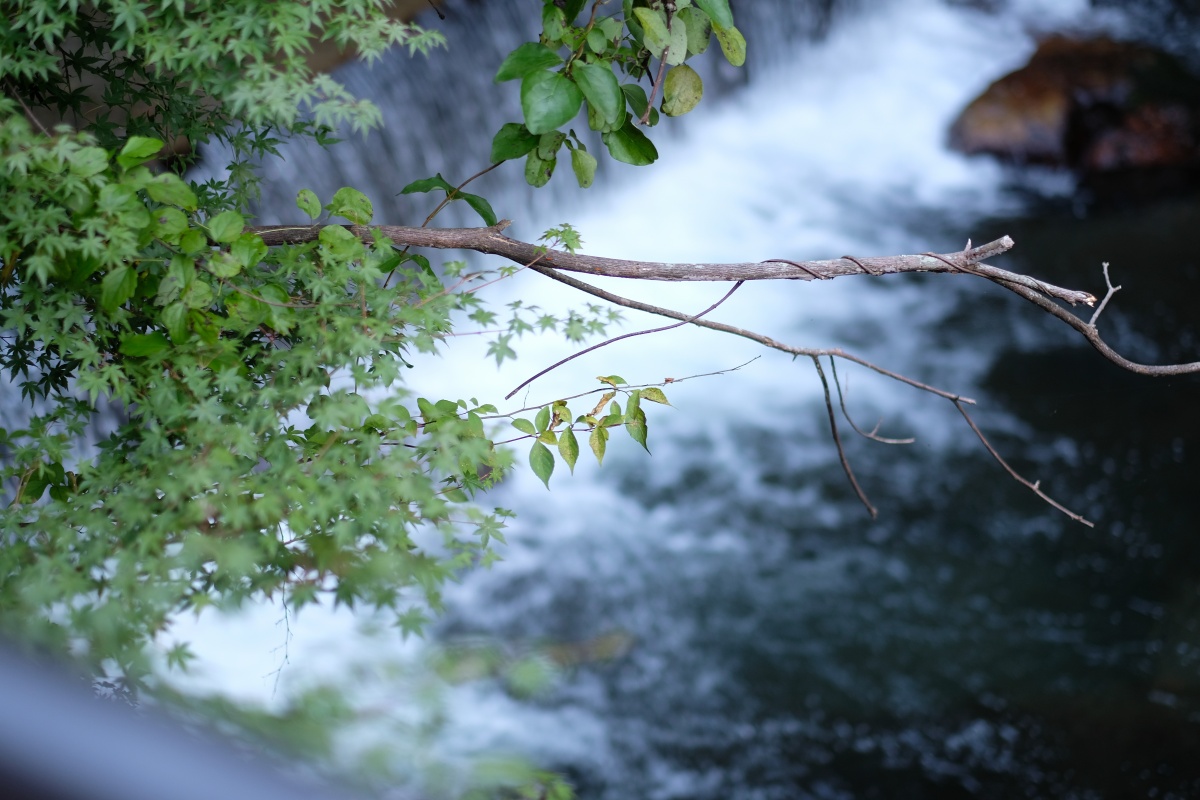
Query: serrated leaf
x=630, y=145
x=682, y=90
x=568, y=448
x=169, y=189
x=597, y=441
x=528, y=58
x=524, y=426
x=548, y=100
x=198, y=294
x=140, y=345
x=340, y=243
x=169, y=224
x=513, y=140
x=542, y=462
x=655, y=395
x=353, y=205
x=717, y=11
x=306, y=201
x=427, y=185
x=601, y=89
x=537, y=171
x=193, y=241
x=733, y=44
x=583, y=164
x=224, y=265
x=174, y=317
x=542, y=420
x=226, y=226
x=137, y=150
x=117, y=287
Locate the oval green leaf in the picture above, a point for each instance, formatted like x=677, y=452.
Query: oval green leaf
x=513, y=140
x=583, y=164
x=528, y=58
x=718, y=11
x=601, y=89
x=630, y=145
x=682, y=90
x=733, y=44
x=548, y=100
x=568, y=448
x=226, y=226
x=306, y=201
x=542, y=462
x=138, y=150
x=169, y=189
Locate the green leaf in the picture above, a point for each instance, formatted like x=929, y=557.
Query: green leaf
x=138, y=150
x=482, y=207
x=180, y=272
x=538, y=171
x=568, y=448
x=597, y=441
x=597, y=41
x=635, y=424
x=306, y=201
x=428, y=185
x=117, y=287
x=226, y=226
x=601, y=89
x=524, y=426
x=198, y=294
x=733, y=44
x=351, y=204
x=224, y=265
x=638, y=101
x=548, y=100
x=88, y=161
x=542, y=420
x=513, y=140
x=193, y=241
x=528, y=58
x=542, y=462
x=248, y=249
x=549, y=144
x=699, y=29
x=169, y=224
x=141, y=345
x=630, y=145
x=718, y=11
x=169, y=189
x=655, y=395
x=677, y=44
x=174, y=317
x=584, y=165
x=340, y=243
x=611, y=380
x=554, y=23
x=656, y=35
x=682, y=90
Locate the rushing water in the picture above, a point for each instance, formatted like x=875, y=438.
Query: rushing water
x=970, y=642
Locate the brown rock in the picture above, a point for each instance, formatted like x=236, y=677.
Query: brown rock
x=1089, y=104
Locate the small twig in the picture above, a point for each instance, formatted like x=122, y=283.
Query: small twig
x=837, y=440
x=586, y=350
x=1035, y=487
x=662, y=64
x=872, y=435
x=1111, y=290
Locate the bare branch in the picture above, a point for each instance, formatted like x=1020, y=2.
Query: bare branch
x=837, y=440
x=873, y=434
x=1111, y=290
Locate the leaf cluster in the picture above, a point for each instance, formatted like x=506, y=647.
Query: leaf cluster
x=575, y=65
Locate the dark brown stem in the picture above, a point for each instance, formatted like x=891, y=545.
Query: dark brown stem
x=837, y=440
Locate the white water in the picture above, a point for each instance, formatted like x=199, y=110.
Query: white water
x=840, y=149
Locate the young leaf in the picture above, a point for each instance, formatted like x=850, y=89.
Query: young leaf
x=427, y=185
x=584, y=165
x=542, y=420
x=351, y=204
x=601, y=89
x=733, y=44
x=528, y=58
x=226, y=226
x=482, y=207
x=635, y=423
x=718, y=11
x=138, y=150
x=306, y=201
x=568, y=448
x=524, y=426
x=682, y=90
x=597, y=441
x=630, y=145
x=513, y=140
x=542, y=462
x=548, y=100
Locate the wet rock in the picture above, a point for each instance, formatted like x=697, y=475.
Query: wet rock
x=1094, y=105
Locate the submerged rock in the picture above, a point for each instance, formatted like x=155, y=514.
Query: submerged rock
x=1093, y=105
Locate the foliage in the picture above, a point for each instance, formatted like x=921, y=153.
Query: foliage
x=269, y=447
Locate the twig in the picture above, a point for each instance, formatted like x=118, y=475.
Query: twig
x=586, y=350
x=1111, y=290
x=1035, y=487
x=837, y=440
x=872, y=435
x=662, y=64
